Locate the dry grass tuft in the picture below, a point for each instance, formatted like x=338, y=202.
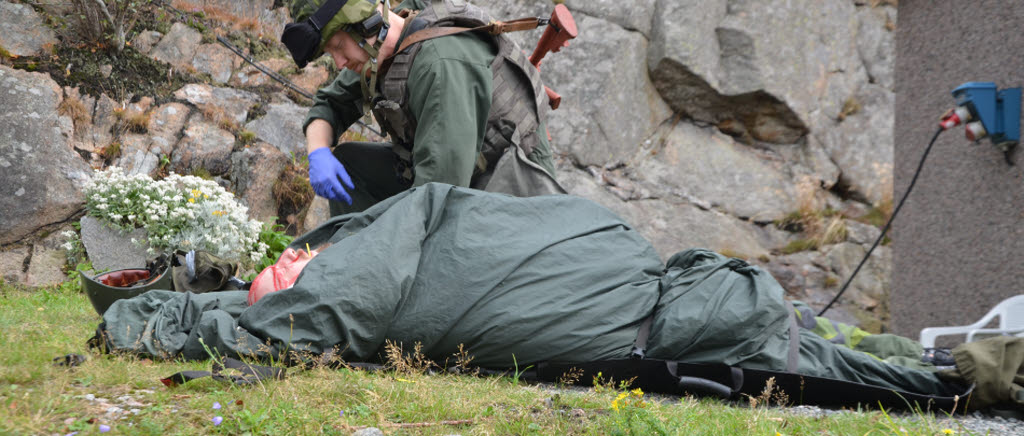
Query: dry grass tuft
x=73, y=108
x=850, y=106
x=770, y=395
x=111, y=151
x=221, y=15
x=292, y=190
x=571, y=377
x=819, y=225
x=219, y=116
x=131, y=121
x=406, y=363
x=463, y=362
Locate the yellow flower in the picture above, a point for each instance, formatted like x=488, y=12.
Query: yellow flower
x=192, y=200
x=948, y=431
x=638, y=393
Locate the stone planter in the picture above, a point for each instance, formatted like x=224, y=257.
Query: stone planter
x=112, y=249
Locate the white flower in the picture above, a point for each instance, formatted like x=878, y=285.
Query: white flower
x=67, y=246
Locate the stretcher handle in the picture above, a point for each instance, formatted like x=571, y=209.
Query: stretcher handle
x=703, y=386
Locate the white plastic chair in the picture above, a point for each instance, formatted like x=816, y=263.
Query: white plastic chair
x=1011, y=322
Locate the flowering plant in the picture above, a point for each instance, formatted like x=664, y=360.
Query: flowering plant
x=178, y=212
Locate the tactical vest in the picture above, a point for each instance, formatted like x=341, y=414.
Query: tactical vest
x=518, y=100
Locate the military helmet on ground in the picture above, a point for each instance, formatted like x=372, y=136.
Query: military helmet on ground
x=317, y=20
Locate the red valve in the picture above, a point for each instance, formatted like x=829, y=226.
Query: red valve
x=975, y=131
x=954, y=117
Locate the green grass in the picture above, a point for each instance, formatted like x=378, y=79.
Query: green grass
x=39, y=398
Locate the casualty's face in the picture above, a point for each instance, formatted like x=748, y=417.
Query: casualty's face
x=346, y=51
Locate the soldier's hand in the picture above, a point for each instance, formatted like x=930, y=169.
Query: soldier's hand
x=328, y=176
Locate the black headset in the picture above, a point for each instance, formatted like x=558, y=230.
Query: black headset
x=303, y=39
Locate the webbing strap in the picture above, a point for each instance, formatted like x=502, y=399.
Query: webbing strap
x=494, y=28
x=324, y=14
x=640, y=343
x=251, y=374
x=793, y=359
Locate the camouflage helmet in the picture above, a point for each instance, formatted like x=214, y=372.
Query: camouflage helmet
x=309, y=29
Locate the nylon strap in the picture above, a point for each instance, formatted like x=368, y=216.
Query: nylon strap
x=640, y=344
x=323, y=15
x=251, y=374
x=793, y=359
x=495, y=28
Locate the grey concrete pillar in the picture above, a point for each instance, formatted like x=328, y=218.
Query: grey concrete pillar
x=958, y=243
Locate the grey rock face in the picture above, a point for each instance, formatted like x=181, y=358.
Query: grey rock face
x=867, y=289
x=12, y=264
x=862, y=145
x=145, y=41
x=282, y=127
x=672, y=226
x=247, y=9
x=610, y=106
x=710, y=166
x=136, y=157
x=165, y=126
x=767, y=66
x=111, y=249
x=318, y=213
x=876, y=43
x=254, y=171
x=178, y=46
x=234, y=103
x=249, y=76
x=41, y=175
x=31, y=35
x=215, y=60
x=203, y=145
x=634, y=16
x=273, y=21
x=47, y=264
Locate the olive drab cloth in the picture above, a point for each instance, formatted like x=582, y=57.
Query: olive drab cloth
x=449, y=95
x=517, y=281
x=996, y=366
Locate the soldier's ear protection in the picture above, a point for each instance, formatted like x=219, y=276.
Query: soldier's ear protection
x=303, y=39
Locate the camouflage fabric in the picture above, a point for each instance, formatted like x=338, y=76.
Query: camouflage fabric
x=354, y=11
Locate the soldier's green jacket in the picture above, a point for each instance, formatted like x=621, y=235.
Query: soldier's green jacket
x=450, y=96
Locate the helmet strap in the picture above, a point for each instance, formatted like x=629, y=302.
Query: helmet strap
x=369, y=84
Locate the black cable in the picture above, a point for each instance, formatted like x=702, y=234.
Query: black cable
x=887, y=224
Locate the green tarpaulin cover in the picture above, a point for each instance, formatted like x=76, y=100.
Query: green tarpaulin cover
x=525, y=280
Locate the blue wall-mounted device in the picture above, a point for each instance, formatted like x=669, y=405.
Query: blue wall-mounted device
x=993, y=113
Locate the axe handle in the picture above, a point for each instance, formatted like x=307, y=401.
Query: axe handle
x=553, y=98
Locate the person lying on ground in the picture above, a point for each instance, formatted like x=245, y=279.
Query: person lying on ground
x=516, y=282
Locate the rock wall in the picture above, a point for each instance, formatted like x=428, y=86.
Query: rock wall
x=702, y=123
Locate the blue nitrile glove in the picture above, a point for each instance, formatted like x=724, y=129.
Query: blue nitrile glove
x=327, y=176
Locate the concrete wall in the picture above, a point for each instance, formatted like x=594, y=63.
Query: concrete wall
x=958, y=243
